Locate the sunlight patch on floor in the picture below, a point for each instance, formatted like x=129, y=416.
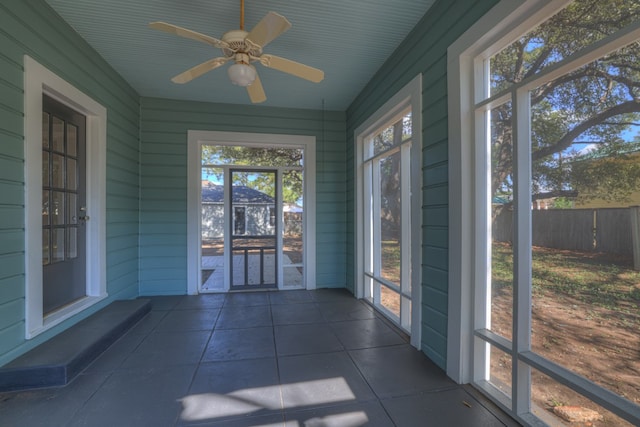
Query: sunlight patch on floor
x=206, y=406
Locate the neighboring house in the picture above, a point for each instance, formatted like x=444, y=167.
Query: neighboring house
x=253, y=211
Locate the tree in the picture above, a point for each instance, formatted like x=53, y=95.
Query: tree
x=390, y=183
x=578, y=115
x=260, y=156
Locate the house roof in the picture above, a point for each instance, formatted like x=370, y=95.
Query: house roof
x=348, y=39
x=213, y=193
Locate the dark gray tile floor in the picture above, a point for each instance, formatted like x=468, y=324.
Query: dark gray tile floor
x=267, y=359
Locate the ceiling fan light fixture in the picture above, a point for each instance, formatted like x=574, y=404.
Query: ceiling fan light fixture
x=242, y=74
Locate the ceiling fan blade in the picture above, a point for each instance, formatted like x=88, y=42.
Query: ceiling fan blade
x=199, y=70
x=270, y=27
x=256, y=91
x=183, y=32
x=291, y=67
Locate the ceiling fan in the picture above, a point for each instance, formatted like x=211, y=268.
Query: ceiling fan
x=244, y=48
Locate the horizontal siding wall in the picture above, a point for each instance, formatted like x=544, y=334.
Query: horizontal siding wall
x=165, y=123
x=31, y=27
x=423, y=51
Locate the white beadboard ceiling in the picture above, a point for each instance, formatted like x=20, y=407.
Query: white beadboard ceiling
x=348, y=39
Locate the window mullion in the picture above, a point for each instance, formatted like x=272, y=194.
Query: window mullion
x=375, y=214
x=405, y=221
x=482, y=244
x=522, y=249
x=367, y=205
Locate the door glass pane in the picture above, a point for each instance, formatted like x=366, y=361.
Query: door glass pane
x=57, y=208
x=45, y=208
x=46, y=179
x=45, y=130
x=72, y=140
x=501, y=255
x=46, y=258
x=72, y=239
x=212, y=228
x=58, y=171
x=72, y=209
x=57, y=135
x=57, y=240
x=390, y=218
x=72, y=174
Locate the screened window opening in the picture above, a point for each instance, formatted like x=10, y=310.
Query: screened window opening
x=558, y=310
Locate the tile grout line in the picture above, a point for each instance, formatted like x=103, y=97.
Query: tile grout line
x=204, y=350
x=275, y=351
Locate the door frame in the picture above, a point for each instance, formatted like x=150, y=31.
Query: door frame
x=38, y=80
x=195, y=140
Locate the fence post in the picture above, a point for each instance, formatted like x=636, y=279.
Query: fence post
x=635, y=235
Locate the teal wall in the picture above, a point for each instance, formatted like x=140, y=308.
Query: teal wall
x=163, y=215
x=423, y=51
x=146, y=163
x=31, y=27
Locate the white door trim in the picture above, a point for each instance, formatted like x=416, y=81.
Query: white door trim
x=195, y=140
x=38, y=80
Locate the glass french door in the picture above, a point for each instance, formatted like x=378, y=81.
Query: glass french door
x=64, y=212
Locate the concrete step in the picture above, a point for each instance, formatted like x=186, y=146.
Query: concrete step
x=57, y=361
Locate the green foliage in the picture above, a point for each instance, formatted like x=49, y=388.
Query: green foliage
x=607, y=176
x=562, y=203
x=595, y=104
x=292, y=180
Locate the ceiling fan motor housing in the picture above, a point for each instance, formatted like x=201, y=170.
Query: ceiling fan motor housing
x=237, y=44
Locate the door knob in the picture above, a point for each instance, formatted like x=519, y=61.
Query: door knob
x=83, y=214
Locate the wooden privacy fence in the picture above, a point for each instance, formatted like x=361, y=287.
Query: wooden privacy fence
x=611, y=230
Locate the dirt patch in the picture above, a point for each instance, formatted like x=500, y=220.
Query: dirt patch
x=292, y=247
x=585, y=317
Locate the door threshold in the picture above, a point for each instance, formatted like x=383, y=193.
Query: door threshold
x=254, y=289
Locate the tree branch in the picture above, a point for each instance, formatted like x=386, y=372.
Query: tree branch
x=568, y=139
x=554, y=194
x=535, y=67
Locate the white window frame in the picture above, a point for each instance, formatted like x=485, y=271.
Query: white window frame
x=469, y=170
x=409, y=96
x=195, y=140
x=39, y=81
